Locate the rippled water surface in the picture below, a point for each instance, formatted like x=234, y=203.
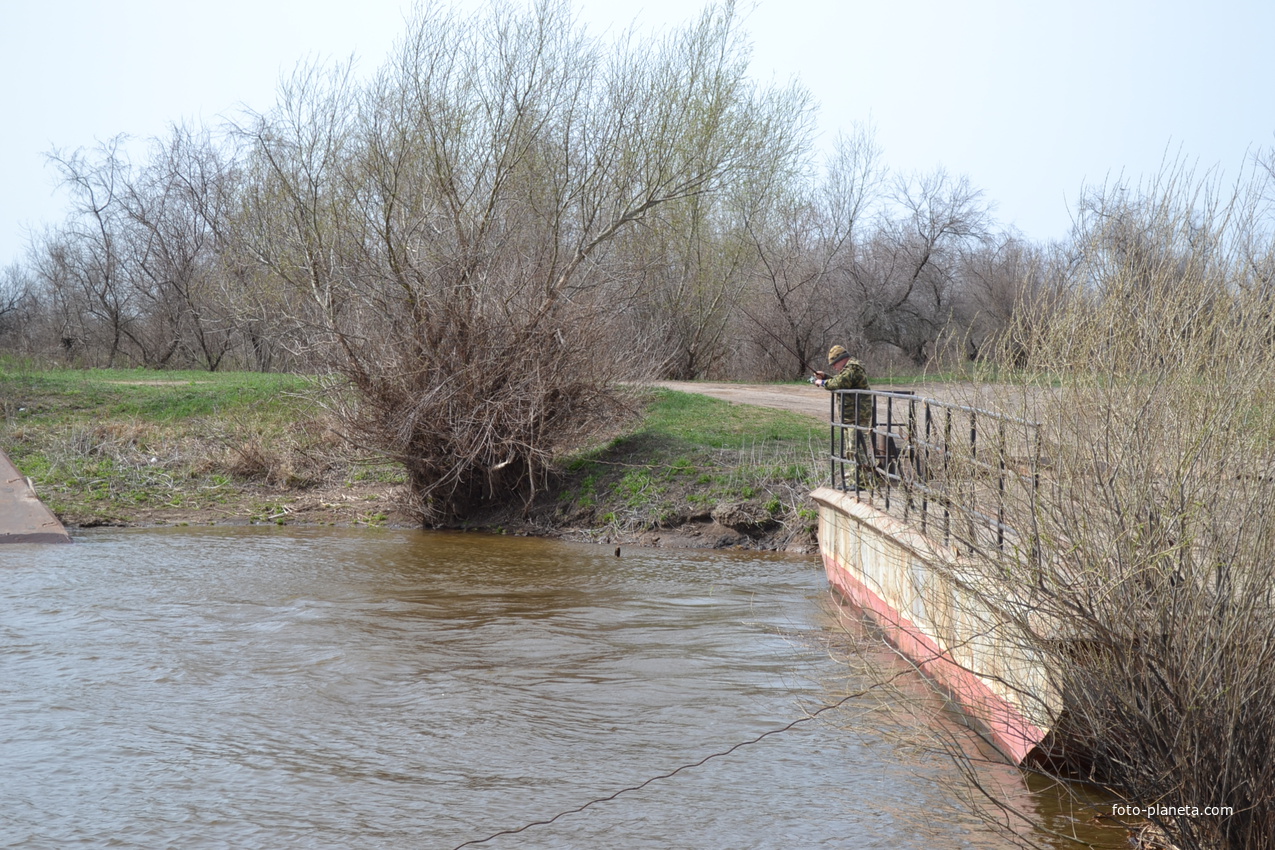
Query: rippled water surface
x=283, y=688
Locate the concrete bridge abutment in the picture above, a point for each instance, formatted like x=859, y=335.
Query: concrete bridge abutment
x=911, y=587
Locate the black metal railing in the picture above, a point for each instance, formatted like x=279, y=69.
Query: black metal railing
x=965, y=475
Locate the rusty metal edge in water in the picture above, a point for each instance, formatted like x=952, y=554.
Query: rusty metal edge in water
x=23, y=517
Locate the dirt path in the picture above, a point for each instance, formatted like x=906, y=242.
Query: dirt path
x=797, y=398
x=802, y=398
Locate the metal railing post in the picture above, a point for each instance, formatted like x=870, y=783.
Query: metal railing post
x=973, y=497
x=857, y=437
x=1000, y=487
x=832, y=441
x=947, y=480
x=889, y=424
x=923, y=470
x=913, y=456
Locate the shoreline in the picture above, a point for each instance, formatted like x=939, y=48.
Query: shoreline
x=123, y=448
x=699, y=531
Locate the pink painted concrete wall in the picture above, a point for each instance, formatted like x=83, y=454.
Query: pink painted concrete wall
x=953, y=636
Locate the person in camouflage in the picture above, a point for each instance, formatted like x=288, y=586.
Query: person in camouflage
x=849, y=374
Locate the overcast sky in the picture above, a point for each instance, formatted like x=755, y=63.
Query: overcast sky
x=1030, y=100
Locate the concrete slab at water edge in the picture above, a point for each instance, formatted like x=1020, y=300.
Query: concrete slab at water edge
x=23, y=517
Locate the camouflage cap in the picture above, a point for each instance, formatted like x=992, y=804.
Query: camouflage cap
x=836, y=353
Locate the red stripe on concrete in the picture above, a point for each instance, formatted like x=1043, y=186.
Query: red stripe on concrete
x=1011, y=731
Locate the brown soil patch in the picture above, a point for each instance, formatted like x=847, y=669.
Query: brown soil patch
x=337, y=504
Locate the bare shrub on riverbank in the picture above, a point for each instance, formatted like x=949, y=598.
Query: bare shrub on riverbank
x=1144, y=579
x=445, y=232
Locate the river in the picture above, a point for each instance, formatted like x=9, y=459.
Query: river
x=277, y=687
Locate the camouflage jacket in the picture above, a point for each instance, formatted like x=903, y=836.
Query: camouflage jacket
x=852, y=377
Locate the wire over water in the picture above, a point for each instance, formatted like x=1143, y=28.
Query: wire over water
x=678, y=770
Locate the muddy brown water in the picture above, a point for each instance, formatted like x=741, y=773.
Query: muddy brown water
x=274, y=688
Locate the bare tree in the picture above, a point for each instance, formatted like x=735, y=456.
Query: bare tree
x=907, y=276
x=804, y=241
x=16, y=294
x=176, y=205
x=84, y=262
x=14, y=287
x=994, y=280
x=134, y=273
x=687, y=272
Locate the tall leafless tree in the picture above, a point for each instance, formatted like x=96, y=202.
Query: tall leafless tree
x=805, y=241
x=906, y=280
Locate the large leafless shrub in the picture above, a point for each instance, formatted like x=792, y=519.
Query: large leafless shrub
x=445, y=231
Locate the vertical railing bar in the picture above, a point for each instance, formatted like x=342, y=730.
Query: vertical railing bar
x=855, y=440
x=841, y=412
x=911, y=444
x=973, y=497
x=923, y=468
x=832, y=442
x=1000, y=499
x=947, y=480
x=839, y=418
x=889, y=424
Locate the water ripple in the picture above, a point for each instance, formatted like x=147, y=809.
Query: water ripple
x=262, y=688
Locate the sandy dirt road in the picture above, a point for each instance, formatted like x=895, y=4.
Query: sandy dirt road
x=796, y=397
x=803, y=398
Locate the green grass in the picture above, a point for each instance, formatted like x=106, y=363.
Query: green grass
x=688, y=453
x=116, y=445
x=69, y=395
x=702, y=422
x=921, y=378
x=126, y=445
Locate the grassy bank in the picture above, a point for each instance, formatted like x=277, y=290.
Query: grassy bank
x=133, y=447
x=125, y=447
x=695, y=471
